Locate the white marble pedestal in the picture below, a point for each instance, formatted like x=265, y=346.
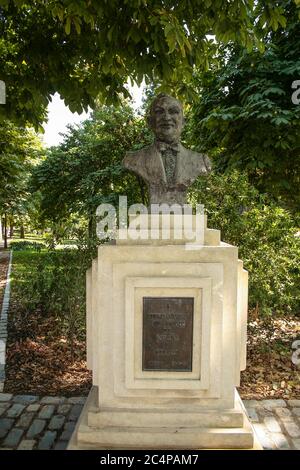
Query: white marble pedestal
x=131, y=407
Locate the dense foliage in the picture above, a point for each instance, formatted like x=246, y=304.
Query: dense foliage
x=245, y=117
x=265, y=234
x=26, y=245
x=89, y=49
x=19, y=148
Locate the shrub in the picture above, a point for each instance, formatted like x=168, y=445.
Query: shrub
x=52, y=284
x=27, y=245
x=264, y=233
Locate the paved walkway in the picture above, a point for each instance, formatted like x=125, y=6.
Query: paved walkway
x=276, y=422
x=28, y=422
x=4, y=305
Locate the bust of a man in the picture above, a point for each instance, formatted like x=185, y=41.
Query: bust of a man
x=166, y=166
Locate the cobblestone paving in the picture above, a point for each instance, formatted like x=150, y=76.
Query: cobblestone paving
x=276, y=423
x=29, y=422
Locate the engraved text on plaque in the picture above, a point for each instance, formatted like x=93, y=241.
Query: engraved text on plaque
x=168, y=333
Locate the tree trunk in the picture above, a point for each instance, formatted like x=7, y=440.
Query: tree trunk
x=22, y=232
x=5, y=230
x=11, y=232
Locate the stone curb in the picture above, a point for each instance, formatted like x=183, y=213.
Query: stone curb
x=3, y=323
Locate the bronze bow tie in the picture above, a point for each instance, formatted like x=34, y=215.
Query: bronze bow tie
x=164, y=146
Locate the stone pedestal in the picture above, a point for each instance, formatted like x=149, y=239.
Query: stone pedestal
x=166, y=329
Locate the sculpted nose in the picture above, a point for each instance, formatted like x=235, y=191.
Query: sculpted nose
x=167, y=115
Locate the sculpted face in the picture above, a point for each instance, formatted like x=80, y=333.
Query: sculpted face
x=166, y=119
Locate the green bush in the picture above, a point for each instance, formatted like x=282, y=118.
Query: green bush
x=27, y=245
x=264, y=233
x=52, y=284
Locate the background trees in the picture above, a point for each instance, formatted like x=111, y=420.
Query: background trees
x=85, y=170
x=19, y=151
x=245, y=118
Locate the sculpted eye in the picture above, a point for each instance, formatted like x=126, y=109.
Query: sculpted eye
x=174, y=111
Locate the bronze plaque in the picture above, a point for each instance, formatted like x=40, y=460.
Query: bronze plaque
x=168, y=333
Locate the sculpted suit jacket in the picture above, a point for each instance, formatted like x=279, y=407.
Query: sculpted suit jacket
x=148, y=164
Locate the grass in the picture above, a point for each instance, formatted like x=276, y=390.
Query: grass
x=32, y=237
x=24, y=262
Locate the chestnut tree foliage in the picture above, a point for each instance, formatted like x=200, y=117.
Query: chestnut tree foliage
x=88, y=49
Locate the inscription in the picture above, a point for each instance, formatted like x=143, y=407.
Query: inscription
x=168, y=333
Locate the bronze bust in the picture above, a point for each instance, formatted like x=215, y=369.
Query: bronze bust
x=166, y=166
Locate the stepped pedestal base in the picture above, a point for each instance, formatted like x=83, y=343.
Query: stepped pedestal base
x=160, y=429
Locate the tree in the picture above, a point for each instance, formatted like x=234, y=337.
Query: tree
x=19, y=149
x=245, y=117
x=88, y=49
x=85, y=170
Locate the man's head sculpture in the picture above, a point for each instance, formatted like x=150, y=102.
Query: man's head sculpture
x=166, y=119
x=167, y=167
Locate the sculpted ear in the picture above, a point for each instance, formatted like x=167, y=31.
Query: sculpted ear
x=150, y=121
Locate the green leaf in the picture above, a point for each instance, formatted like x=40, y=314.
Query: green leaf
x=280, y=120
x=68, y=25
x=77, y=25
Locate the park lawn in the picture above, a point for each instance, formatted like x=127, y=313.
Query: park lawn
x=29, y=237
x=39, y=355
x=37, y=238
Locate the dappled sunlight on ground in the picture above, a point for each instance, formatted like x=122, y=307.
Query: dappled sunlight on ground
x=270, y=371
